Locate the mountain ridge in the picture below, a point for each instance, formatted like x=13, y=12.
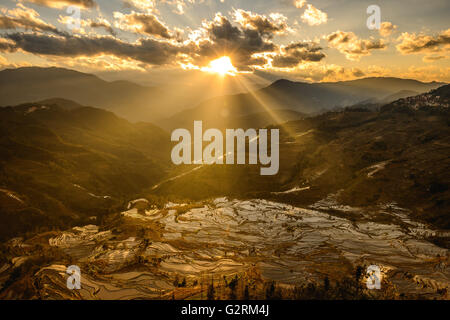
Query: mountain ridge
x=304, y=98
x=136, y=102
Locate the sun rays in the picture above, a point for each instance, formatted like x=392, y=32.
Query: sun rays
x=221, y=66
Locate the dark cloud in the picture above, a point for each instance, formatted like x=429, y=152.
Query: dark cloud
x=144, y=23
x=103, y=25
x=358, y=73
x=247, y=47
x=265, y=26
x=295, y=53
x=240, y=44
x=146, y=50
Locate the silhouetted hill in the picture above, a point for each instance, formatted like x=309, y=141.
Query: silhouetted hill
x=304, y=98
x=127, y=99
x=327, y=95
x=443, y=92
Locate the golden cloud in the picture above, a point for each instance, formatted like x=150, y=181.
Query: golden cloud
x=145, y=5
x=299, y=3
x=275, y=24
x=26, y=18
x=295, y=53
x=353, y=47
x=412, y=43
x=143, y=23
x=314, y=16
x=387, y=28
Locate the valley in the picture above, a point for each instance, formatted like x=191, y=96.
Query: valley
x=356, y=187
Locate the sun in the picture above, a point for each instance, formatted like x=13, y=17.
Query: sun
x=222, y=66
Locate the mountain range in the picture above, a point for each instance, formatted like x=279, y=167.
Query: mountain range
x=171, y=109
x=268, y=105
x=122, y=97
x=80, y=185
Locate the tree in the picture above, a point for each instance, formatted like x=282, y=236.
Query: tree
x=270, y=291
x=232, y=285
x=246, y=293
x=358, y=273
x=210, y=294
x=326, y=283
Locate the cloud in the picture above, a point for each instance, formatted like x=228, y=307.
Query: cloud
x=145, y=5
x=248, y=43
x=102, y=63
x=148, y=51
x=59, y=4
x=143, y=23
x=433, y=58
x=386, y=28
x=412, y=43
x=274, y=25
x=314, y=16
x=219, y=37
x=26, y=18
x=296, y=53
x=103, y=24
x=99, y=23
x=353, y=47
x=318, y=72
x=7, y=46
x=5, y=63
x=427, y=73
x=299, y=3
x=180, y=5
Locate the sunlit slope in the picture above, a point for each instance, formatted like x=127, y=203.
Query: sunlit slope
x=65, y=164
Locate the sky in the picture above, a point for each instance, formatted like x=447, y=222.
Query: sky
x=165, y=41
